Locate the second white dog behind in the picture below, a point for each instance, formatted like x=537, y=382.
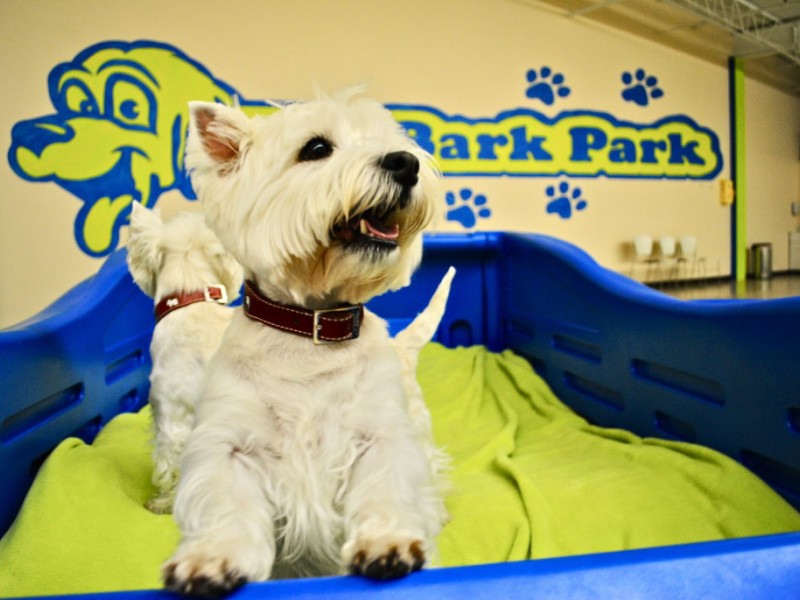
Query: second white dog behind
x=181, y=265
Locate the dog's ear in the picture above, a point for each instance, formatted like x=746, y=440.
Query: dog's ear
x=144, y=250
x=219, y=132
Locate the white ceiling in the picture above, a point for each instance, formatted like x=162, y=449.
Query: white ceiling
x=764, y=32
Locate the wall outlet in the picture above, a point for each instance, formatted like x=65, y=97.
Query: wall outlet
x=795, y=209
x=726, y=192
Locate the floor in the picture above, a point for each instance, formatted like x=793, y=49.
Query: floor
x=780, y=285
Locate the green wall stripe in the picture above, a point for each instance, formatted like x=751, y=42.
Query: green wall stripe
x=738, y=170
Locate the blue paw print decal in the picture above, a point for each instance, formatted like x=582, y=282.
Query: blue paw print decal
x=467, y=208
x=546, y=85
x=563, y=200
x=640, y=87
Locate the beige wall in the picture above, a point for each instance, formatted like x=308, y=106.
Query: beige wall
x=464, y=58
x=772, y=133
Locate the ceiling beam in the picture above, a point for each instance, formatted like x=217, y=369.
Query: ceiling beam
x=749, y=23
x=785, y=35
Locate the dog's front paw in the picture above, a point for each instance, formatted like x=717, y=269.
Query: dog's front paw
x=203, y=577
x=387, y=557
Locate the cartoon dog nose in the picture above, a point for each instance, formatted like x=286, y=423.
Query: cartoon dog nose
x=403, y=166
x=38, y=134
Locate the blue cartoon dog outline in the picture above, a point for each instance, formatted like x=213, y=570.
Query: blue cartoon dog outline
x=117, y=133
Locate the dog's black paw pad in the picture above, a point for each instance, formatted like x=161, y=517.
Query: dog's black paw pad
x=391, y=565
x=203, y=586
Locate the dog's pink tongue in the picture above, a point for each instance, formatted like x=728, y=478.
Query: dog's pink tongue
x=379, y=230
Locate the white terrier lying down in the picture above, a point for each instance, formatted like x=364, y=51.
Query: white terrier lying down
x=183, y=266
x=305, y=459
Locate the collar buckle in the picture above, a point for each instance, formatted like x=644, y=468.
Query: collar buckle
x=316, y=328
x=222, y=293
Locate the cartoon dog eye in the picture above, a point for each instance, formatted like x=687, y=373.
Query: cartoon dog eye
x=130, y=103
x=76, y=98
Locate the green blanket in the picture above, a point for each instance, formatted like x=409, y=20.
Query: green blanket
x=531, y=479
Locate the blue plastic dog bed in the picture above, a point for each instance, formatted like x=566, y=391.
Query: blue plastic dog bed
x=723, y=374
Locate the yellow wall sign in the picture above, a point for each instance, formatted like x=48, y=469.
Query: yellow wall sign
x=120, y=113
x=523, y=142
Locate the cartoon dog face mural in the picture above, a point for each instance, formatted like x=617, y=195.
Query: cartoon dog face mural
x=118, y=132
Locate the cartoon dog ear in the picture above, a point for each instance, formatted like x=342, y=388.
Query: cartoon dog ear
x=144, y=251
x=219, y=132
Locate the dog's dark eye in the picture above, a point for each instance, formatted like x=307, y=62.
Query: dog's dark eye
x=316, y=149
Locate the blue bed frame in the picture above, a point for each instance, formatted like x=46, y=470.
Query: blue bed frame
x=725, y=374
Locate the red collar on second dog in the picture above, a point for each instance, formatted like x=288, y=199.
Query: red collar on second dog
x=210, y=293
x=332, y=325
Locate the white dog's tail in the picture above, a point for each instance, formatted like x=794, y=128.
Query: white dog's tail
x=420, y=331
x=408, y=343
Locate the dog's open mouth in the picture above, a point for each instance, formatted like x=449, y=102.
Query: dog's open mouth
x=369, y=228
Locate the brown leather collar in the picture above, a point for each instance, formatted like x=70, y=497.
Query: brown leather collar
x=211, y=293
x=332, y=325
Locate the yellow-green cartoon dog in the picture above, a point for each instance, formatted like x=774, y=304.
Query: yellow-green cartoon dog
x=117, y=134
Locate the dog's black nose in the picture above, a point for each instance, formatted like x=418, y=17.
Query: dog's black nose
x=403, y=166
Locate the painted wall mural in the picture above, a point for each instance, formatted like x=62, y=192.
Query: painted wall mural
x=467, y=208
x=640, y=88
x=545, y=85
x=119, y=122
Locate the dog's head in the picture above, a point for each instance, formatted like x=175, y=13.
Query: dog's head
x=322, y=202
x=180, y=254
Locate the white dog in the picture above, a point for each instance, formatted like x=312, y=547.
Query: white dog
x=182, y=265
x=305, y=459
